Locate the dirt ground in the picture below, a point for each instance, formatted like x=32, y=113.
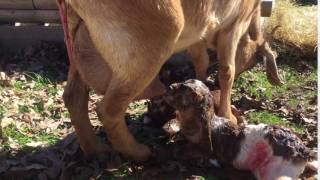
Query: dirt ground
x=38, y=140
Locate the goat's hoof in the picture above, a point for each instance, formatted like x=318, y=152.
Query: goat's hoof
x=105, y=155
x=141, y=153
x=95, y=150
x=110, y=159
x=237, y=115
x=233, y=119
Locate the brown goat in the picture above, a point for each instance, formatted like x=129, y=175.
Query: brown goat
x=251, y=45
x=118, y=47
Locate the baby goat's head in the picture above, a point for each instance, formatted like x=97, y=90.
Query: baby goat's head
x=192, y=99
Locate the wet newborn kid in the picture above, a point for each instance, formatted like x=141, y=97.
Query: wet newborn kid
x=269, y=152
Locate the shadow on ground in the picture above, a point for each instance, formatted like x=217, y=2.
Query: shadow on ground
x=65, y=160
x=46, y=59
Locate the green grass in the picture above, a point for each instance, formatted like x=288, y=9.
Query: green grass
x=38, y=107
x=293, y=103
x=256, y=83
x=53, y=115
x=137, y=110
x=19, y=85
x=121, y=173
x=310, y=94
x=12, y=132
x=26, y=135
x=272, y=119
x=32, y=101
x=3, y=110
x=41, y=82
x=137, y=105
x=65, y=114
x=49, y=138
x=52, y=91
x=23, y=109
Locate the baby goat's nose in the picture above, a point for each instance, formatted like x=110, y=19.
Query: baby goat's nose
x=173, y=88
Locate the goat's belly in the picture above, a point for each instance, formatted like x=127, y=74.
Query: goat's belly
x=185, y=42
x=190, y=36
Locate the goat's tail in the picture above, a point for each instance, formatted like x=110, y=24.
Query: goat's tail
x=270, y=59
x=269, y=36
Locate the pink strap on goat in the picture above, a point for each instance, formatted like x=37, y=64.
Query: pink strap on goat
x=64, y=21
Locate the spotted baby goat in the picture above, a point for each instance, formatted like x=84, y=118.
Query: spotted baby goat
x=269, y=152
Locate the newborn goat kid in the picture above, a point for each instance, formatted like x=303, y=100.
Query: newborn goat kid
x=269, y=152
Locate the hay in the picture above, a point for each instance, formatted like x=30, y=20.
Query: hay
x=298, y=25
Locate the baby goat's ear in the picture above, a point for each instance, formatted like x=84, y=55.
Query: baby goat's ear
x=198, y=97
x=212, y=84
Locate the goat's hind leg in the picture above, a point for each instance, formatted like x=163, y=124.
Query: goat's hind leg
x=125, y=85
x=134, y=52
x=76, y=92
x=121, y=91
x=76, y=96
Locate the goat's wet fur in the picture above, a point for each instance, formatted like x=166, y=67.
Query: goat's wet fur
x=269, y=152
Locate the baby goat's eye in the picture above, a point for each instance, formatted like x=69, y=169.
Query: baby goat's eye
x=197, y=98
x=183, y=87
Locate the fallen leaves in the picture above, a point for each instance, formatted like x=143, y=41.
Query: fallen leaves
x=4, y=79
x=247, y=103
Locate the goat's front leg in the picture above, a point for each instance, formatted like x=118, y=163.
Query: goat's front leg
x=227, y=46
x=111, y=112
